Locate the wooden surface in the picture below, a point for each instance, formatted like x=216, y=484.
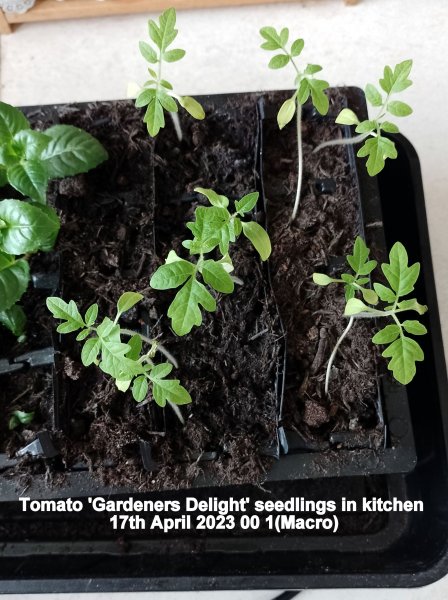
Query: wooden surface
x=51, y=10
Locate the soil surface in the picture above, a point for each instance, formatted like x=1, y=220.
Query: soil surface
x=107, y=246
x=317, y=241
x=119, y=222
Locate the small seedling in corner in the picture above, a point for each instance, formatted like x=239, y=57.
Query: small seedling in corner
x=378, y=147
x=214, y=227
x=305, y=84
x=20, y=417
x=127, y=363
x=157, y=94
x=402, y=350
x=28, y=160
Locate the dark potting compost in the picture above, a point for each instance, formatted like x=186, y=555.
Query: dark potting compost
x=113, y=239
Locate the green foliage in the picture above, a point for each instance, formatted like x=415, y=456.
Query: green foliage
x=19, y=417
x=378, y=148
x=157, y=94
x=29, y=159
x=401, y=277
x=353, y=283
x=126, y=363
x=305, y=84
x=214, y=227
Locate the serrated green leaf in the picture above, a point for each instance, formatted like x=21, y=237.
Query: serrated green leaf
x=14, y=279
x=30, y=178
x=192, y=106
x=258, y=237
x=359, y=256
x=210, y=226
x=25, y=228
x=297, y=47
x=140, y=388
x=373, y=95
x=172, y=275
x=91, y=315
x=185, y=311
x=147, y=52
x=414, y=327
x=318, y=96
x=404, y=353
x=214, y=198
x=286, y=112
x=347, y=117
x=278, y=61
x=173, y=55
x=145, y=97
x=154, y=117
x=273, y=41
x=168, y=390
x=168, y=33
x=387, y=81
x=90, y=351
x=13, y=318
x=127, y=301
x=247, y=203
x=399, y=109
x=71, y=151
x=400, y=276
x=217, y=277
x=387, y=335
x=65, y=312
x=11, y=121
x=412, y=304
x=377, y=149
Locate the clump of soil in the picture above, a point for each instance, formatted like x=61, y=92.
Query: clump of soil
x=324, y=232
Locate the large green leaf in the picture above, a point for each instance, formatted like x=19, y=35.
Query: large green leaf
x=400, y=276
x=30, y=178
x=14, y=319
x=71, y=151
x=30, y=144
x=404, y=353
x=11, y=121
x=217, y=277
x=172, y=275
x=377, y=149
x=258, y=237
x=25, y=228
x=14, y=279
x=185, y=311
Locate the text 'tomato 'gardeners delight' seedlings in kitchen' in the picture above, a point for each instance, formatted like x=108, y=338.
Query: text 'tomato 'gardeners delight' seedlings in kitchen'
x=402, y=350
x=306, y=86
x=377, y=147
